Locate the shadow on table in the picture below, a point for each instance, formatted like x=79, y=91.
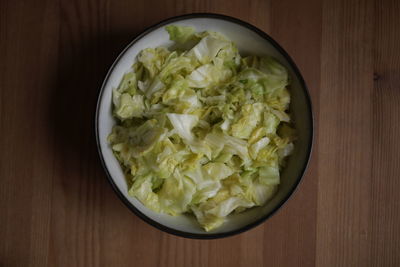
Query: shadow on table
x=82, y=66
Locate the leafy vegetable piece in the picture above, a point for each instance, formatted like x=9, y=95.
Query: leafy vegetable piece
x=257, y=146
x=269, y=175
x=180, y=34
x=142, y=190
x=217, y=170
x=176, y=193
x=207, y=49
x=129, y=106
x=183, y=125
x=251, y=116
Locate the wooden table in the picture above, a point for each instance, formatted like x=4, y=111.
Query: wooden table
x=56, y=207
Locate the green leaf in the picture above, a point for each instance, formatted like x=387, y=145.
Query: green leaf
x=180, y=34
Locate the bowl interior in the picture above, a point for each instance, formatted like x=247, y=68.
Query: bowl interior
x=249, y=42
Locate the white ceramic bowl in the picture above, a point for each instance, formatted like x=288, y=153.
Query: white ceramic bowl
x=249, y=40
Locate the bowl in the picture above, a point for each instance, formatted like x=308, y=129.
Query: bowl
x=250, y=40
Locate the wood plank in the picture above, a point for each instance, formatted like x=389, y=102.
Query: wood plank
x=385, y=198
x=344, y=167
x=80, y=210
x=29, y=52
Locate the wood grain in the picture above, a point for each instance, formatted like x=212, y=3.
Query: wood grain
x=345, y=157
x=56, y=208
x=385, y=167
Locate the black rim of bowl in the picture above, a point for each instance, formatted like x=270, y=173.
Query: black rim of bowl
x=301, y=174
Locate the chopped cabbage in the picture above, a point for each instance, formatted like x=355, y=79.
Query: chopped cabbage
x=180, y=34
x=202, y=130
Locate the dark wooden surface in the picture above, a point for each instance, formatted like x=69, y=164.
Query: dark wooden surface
x=56, y=208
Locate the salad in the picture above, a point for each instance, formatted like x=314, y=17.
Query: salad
x=201, y=129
